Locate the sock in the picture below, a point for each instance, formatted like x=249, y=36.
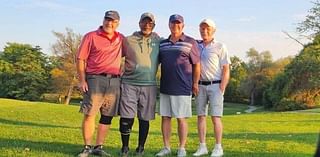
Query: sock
x=218, y=145
x=143, y=132
x=125, y=129
x=202, y=144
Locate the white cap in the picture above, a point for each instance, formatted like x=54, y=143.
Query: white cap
x=209, y=22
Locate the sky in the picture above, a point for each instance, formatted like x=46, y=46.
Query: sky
x=241, y=24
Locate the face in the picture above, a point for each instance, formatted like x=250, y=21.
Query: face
x=176, y=27
x=206, y=32
x=110, y=25
x=146, y=26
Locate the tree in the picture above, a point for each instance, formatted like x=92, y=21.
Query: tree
x=312, y=22
x=65, y=74
x=238, y=74
x=24, y=72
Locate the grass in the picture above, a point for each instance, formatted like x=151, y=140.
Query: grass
x=44, y=129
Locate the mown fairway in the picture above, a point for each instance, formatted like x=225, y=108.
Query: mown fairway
x=43, y=129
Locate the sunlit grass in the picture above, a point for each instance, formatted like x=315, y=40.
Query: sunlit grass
x=43, y=129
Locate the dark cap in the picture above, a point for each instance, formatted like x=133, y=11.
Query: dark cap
x=176, y=17
x=112, y=14
x=147, y=15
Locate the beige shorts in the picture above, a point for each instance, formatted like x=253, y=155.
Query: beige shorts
x=178, y=106
x=103, y=94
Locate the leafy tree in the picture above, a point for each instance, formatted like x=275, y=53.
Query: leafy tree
x=24, y=72
x=65, y=75
x=312, y=22
x=238, y=74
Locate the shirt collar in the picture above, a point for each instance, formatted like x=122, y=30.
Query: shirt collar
x=182, y=37
x=101, y=32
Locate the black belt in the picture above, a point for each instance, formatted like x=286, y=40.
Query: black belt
x=209, y=82
x=107, y=75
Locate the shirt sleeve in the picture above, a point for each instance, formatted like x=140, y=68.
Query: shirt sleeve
x=195, y=53
x=225, y=58
x=84, y=48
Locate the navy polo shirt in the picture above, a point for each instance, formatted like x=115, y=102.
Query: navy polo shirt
x=176, y=65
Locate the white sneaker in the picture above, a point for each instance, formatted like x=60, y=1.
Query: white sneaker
x=181, y=152
x=164, y=152
x=217, y=152
x=202, y=150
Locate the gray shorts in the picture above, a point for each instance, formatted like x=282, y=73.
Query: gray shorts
x=178, y=106
x=213, y=94
x=103, y=95
x=140, y=100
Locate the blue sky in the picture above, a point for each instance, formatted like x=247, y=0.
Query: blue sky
x=240, y=24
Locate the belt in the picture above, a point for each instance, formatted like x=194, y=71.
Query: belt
x=107, y=75
x=209, y=82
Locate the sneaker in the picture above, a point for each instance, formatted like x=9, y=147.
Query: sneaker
x=124, y=152
x=202, y=150
x=139, y=151
x=217, y=152
x=164, y=152
x=181, y=152
x=86, y=151
x=98, y=151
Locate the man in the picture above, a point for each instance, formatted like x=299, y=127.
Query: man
x=180, y=72
x=213, y=81
x=138, y=87
x=98, y=65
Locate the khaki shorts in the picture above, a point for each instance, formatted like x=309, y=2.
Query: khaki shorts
x=103, y=95
x=178, y=106
x=140, y=100
x=213, y=94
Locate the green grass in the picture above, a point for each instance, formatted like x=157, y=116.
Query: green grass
x=44, y=129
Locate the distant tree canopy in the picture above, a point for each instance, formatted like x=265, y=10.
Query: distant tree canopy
x=24, y=72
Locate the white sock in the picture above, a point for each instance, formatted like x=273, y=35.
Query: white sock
x=202, y=144
x=218, y=145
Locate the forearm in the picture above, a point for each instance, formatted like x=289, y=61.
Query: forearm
x=196, y=73
x=225, y=77
x=81, y=65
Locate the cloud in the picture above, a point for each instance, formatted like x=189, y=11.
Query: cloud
x=246, y=19
x=299, y=17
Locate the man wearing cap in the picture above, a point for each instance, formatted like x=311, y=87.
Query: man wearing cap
x=214, y=78
x=180, y=71
x=98, y=66
x=138, y=86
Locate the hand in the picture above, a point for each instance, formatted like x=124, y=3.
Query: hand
x=222, y=89
x=195, y=89
x=83, y=86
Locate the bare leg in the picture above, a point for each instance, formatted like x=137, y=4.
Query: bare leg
x=182, y=131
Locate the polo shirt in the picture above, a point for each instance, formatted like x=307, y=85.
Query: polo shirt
x=141, y=59
x=213, y=57
x=177, y=60
x=102, y=55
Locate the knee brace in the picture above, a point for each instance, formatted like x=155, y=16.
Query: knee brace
x=126, y=125
x=106, y=120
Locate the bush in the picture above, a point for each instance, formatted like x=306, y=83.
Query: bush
x=286, y=104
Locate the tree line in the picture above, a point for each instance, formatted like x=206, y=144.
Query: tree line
x=289, y=83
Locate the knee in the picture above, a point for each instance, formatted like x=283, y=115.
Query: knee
x=126, y=125
x=106, y=120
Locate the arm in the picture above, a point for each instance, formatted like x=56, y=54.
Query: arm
x=196, y=77
x=225, y=77
x=81, y=66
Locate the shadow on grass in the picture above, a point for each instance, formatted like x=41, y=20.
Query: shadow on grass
x=262, y=154
x=12, y=122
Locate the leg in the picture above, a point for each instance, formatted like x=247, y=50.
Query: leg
x=217, y=128
x=166, y=130
x=182, y=131
x=202, y=128
x=103, y=128
x=88, y=128
x=143, y=132
x=125, y=129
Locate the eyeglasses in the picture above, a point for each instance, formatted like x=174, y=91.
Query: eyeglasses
x=147, y=23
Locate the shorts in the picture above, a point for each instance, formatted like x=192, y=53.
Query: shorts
x=213, y=94
x=140, y=100
x=103, y=94
x=178, y=106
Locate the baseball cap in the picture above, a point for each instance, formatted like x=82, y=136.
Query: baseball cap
x=209, y=22
x=176, y=17
x=147, y=15
x=112, y=14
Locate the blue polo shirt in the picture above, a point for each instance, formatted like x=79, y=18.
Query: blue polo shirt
x=176, y=65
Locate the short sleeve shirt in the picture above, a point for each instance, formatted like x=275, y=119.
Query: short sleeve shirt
x=102, y=55
x=177, y=60
x=213, y=57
